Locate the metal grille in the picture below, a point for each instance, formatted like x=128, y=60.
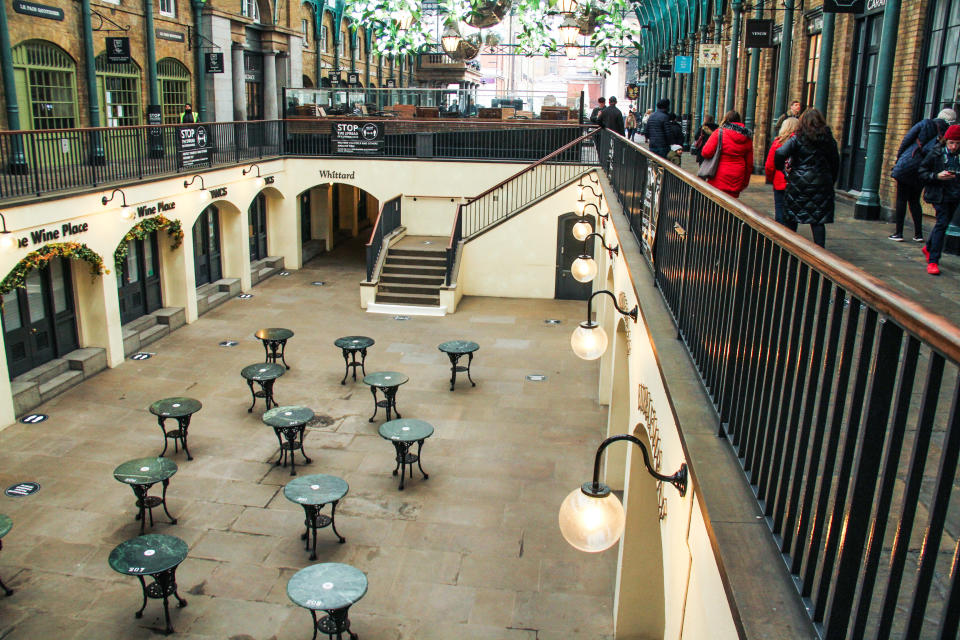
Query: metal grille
x=121, y=92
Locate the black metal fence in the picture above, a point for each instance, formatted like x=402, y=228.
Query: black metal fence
x=387, y=221
x=839, y=397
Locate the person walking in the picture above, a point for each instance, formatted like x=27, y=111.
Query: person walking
x=643, y=122
x=940, y=174
x=595, y=114
x=736, y=155
x=187, y=116
x=918, y=142
x=706, y=130
x=814, y=167
x=793, y=111
x=631, y=124
x=612, y=118
x=676, y=139
x=778, y=178
x=658, y=135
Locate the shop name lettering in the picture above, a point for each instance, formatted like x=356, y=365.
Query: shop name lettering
x=47, y=235
x=875, y=4
x=337, y=175
x=143, y=211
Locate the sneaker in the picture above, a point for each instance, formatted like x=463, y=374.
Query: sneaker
x=918, y=238
x=926, y=253
x=933, y=269
x=896, y=237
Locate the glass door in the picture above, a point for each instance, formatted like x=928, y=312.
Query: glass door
x=138, y=284
x=257, y=227
x=206, y=247
x=866, y=48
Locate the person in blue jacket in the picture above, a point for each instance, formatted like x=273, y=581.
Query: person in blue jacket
x=940, y=174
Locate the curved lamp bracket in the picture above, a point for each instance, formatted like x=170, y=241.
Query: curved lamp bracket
x=597, y=489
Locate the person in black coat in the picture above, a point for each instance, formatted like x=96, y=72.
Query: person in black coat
x=595, y=114
x=612, y=118
x=814, y=167
x=940, y=173
x=658, y=133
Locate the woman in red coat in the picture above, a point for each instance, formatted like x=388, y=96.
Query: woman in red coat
x=777, y=178
x=736, y=155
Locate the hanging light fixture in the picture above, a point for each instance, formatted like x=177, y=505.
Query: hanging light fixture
x=403, y=20
x=581, y=188
x=126, y=211
x=451, y=38
x=572, y=51
x=589, y=340
x=7, y=240
x=204, y=194
x=592, y=517
x=566, y=6
x=569, y=30
x=584, y=268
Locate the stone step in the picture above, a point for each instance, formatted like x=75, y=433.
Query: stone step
x=46, y=371
x=217, y=299
x=411, y=270
x=401, y=288
x=274, y=262
x=205, y=290
x=440, y=261
x=141, y=323
x=173, y=317
x=26, y=396
x=153, y=334
x=266, y=272
x=57, y=385
x=229, y=285
x=90, y=360
x=420, y=253
x=396, y=298
x=433, y=281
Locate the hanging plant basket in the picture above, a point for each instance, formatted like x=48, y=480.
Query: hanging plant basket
x=589, y=20
x=468, y=49
x=491, y=40
x=487, y=13
x=40, y=258
x=143, y=229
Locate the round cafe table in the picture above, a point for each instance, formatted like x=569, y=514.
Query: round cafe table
x=274, y=343
x=455, y=350
x=330, y=587
x=180, y=409
x=263, y=374
x=158, y=557
x=350, y=346
x=403, y=434
x=387, y=382
x=5, y=525
x=143, y=473
x=313, y=493
x=289, y=423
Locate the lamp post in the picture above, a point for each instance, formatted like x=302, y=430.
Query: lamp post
x=749, y=118
x=591, y=517
x=589, y=340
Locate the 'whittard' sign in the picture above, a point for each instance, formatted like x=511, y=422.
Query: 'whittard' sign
x=337, y=175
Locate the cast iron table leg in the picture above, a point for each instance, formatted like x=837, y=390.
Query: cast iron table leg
x=163, y=501
x=363, y=360
x=184, y=424
x=161, y=420
x=166, y=586
x=252, y=394
x=469, y=362
x=373, y=390
x=141, y=491
x=390, y=393
x=346, y=366
x=419, y=453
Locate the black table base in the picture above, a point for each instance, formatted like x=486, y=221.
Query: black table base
x=316, y=520
x=353, y=364
x=335, y=623
x=389, y=402
x=178, y=435
x=6, y=590
x=146, y=503
x=274, y=349
x=406, y=459
x=266, y=392
x=163, y=586
x=454, y=359
x=291, y=440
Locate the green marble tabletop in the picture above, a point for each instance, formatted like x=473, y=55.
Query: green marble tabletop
x=315, y=489
x=274, y=333
x=291, y=416
x=353, y=342
x=385, y=379
x=145, y=470
x=458, y=346
x=175, y=407
x=5, y=525
x=327, y=586
x=147, y=555
x=406, y=430
x=262, y=371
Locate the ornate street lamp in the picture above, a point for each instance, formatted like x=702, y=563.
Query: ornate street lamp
x=451, y=38
x=569, y=30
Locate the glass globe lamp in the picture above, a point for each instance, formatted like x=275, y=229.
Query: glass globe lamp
x=582, y=229
x=589, y=340
x=572, y=51
x=591, y=518
x=584, y=269
x=581, y=204
x=258, y=182
x=7, y=241
x=205, y=196
x=569, y=30
x=127, y=213
x=450, y=39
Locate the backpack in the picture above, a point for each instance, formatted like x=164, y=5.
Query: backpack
x=907, y=166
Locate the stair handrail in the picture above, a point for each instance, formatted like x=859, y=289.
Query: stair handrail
x=388, y=219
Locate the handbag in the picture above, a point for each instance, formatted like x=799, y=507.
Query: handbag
x=708, y=168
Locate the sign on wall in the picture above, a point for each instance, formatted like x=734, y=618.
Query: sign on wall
x=118, y=50
x=710, y=56
x=651, y=207
x=633, y=91
x=759, y=34
x=683, y=64
x=173, y=36
x=665, y=71
x=194, y=144
x=391, y=84
x=358, y=138
x=213, y=62
x=353, y=78
x=37, y=10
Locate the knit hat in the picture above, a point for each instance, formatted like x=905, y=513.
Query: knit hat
x=953, y=132
x=948, y=115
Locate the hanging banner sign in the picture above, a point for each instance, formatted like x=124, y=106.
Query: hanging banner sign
x=37, y=10
x=358, y=138
x=710, y=56
x=759, y=34
x=665, y=71
x=194, y=144
x=118, y=50
x=213, y=62
x=633, y=91
x=391, y=84
x=683, y=64
x=843, y=6
x=173, y=36
x=353, y=78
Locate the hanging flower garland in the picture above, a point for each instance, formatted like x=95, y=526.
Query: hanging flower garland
x=39, y=259
x=386, y=19
x=143, y=229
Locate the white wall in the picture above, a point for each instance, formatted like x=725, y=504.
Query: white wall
x=429, y=216
x=221, y=102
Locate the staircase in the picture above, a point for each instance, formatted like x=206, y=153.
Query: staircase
x=262, y=269
x=52, y=378
x=150, y=328
x=413, y=272
x=216, y=293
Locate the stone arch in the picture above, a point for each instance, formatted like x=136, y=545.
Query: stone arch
x=336, y=210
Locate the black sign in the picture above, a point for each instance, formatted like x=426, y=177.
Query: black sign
x=194, y=144
x=34, y=418
x=874, y=6
x=118, y=50
x=665, y=70
x=358, y=138
x=633, y=91
x=843, y=6
x=213, y=62
x=37, y=10
x=174, y=36
x=759, y=34
x=22, y=489
x=353, y=78
x=391, y=84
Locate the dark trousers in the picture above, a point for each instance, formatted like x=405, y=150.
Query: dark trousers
x=778, y=207
x=661, y=151
x=909, y=195
x=935, y=241
x=819, y=231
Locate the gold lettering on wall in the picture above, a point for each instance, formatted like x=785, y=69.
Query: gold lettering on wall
x=622, y=301
x=650, y=423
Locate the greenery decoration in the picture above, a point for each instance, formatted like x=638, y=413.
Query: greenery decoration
x=38, y=259
x=143, y=229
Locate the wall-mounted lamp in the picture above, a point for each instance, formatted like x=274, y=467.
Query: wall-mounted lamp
x=126, y=211
x=589, y=340
x=592, y=517
x=581, y=206
x=7, y=241
x=584, y=268
x=582, y=188
x=258, y=181
x=204, y=194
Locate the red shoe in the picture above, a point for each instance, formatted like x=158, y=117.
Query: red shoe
x=926, y=253
x=933, y=269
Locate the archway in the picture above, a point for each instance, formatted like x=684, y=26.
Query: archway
x=334, y=214
x=307, y=82
x=618, y=415
x=137, y=263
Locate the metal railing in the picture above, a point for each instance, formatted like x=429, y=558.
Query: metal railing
x=840, y=398
x=387, y=221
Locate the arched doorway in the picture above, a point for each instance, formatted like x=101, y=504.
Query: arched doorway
x=332, y=214
x=138, y=278
x=257, y=227
x=307, y=82
x=206, y=246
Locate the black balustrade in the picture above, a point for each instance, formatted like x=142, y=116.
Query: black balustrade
x=387, y=222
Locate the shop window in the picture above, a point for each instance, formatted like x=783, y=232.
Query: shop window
x=323, y=39
x=250, y=9
x=45, y=77
x=812, y=70
x=174, y=80
x=118, y=86
x=305, y=29
x=941, y=69
x=168, y=8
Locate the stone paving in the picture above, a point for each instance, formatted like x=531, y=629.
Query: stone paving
x=473, y=552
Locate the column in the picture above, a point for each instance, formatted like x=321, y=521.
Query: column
x=270, y=98
x=715, y=73
x=18, y=161
x=98, y=313
x=688, y=103
x=283, y=229
x=199, y=72
x=749, y=118
x=784, y=71
x=239, y=82
x=96, y=139
x=734, y=52
x=826, y=62
x=178, y=278
x=702, y=86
